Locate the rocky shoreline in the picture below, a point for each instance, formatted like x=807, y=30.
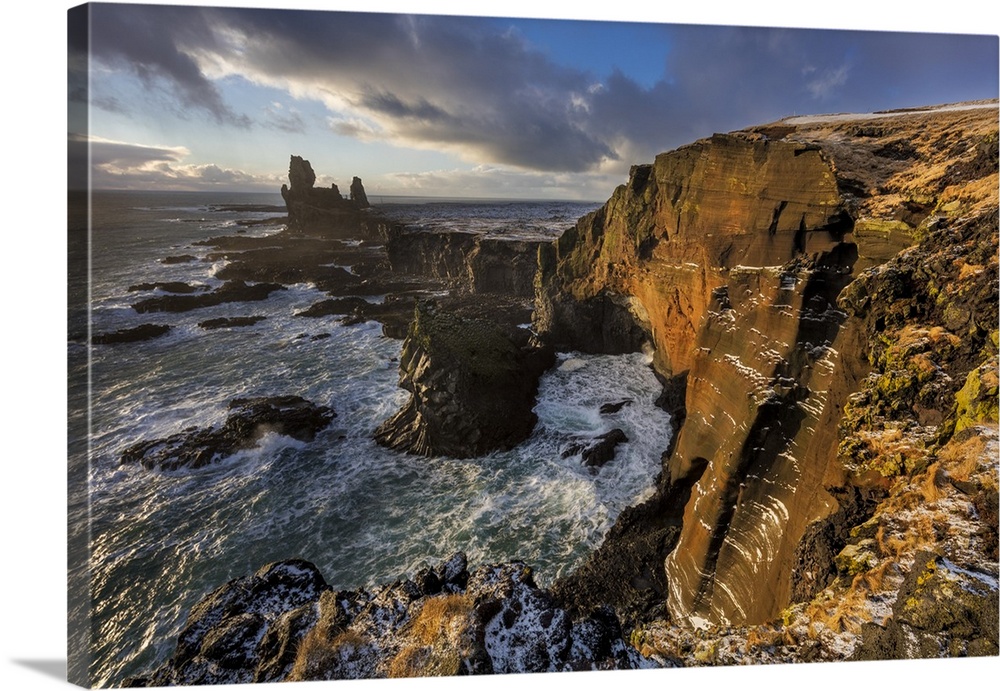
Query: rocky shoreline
x=821, y=305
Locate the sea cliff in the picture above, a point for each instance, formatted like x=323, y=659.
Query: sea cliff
x=728, y=257
x=819, y=297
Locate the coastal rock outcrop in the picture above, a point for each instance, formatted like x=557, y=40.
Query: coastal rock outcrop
x=285, y=623
x=230, y=291
x=472, y=383
x=323, y=209
x=249, y=420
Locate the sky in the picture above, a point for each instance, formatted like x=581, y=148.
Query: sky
x=184, y=97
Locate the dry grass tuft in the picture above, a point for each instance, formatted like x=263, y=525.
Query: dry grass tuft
x=434, y=635
x=319, y=654
x=930, y=490
x=437, y=616
x=961, y=459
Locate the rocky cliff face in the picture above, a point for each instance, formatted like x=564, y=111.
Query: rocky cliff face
x=727, y=257
x=475, y=262
x=472, y=383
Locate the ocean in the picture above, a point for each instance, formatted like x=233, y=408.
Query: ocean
x=159, y=541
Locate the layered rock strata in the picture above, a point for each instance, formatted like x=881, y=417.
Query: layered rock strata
x=727, y=257
x=472, y=384
x=476, y=262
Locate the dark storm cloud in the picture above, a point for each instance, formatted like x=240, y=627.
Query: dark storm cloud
x=150, y=42
x=474, y=87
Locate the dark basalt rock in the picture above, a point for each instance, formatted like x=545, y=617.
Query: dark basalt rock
x=603, y=450
x=473, y=385
x=168, y=287
x=358, y=195
x=229, y=322
x=475, y=262
x=285, y=623
x=143, y=332
x=321, y=210
x=231, y=291
x=612, y=408
x=250, y=419
x=597, y=451
x=179, y=259
x=246, y=630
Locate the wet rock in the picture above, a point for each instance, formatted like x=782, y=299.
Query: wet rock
x=168, y=287
x=231, y=291
x=179, y=259
x=143, y=332
x=472, y=385
x=285, y=624
x=612, y=408
x=249, y=420
x=596, y=452
x=247, y=629
x=230, y=322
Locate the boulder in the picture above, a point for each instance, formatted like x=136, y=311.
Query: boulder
x=249, y=420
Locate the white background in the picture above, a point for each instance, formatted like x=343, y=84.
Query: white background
x=32, y=387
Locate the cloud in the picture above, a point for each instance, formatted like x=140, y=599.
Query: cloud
x=496, y=183
x=277, y=117
x=124, y=165
x=831, y=80
x=477, y=89
x=152, y=42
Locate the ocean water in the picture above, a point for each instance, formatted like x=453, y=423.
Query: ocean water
x=159, y=541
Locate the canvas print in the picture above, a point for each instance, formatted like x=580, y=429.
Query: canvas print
x=415, y=345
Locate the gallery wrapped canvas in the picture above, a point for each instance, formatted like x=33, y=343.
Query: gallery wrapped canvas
x=410, y=345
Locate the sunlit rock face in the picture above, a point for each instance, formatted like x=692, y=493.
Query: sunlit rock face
x=752, y=263
x=662, y=244
x=726, y=256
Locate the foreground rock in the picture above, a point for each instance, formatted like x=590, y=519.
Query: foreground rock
x=941, y=610
x=249, y=420
x=472, y=384
x=285, y=623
